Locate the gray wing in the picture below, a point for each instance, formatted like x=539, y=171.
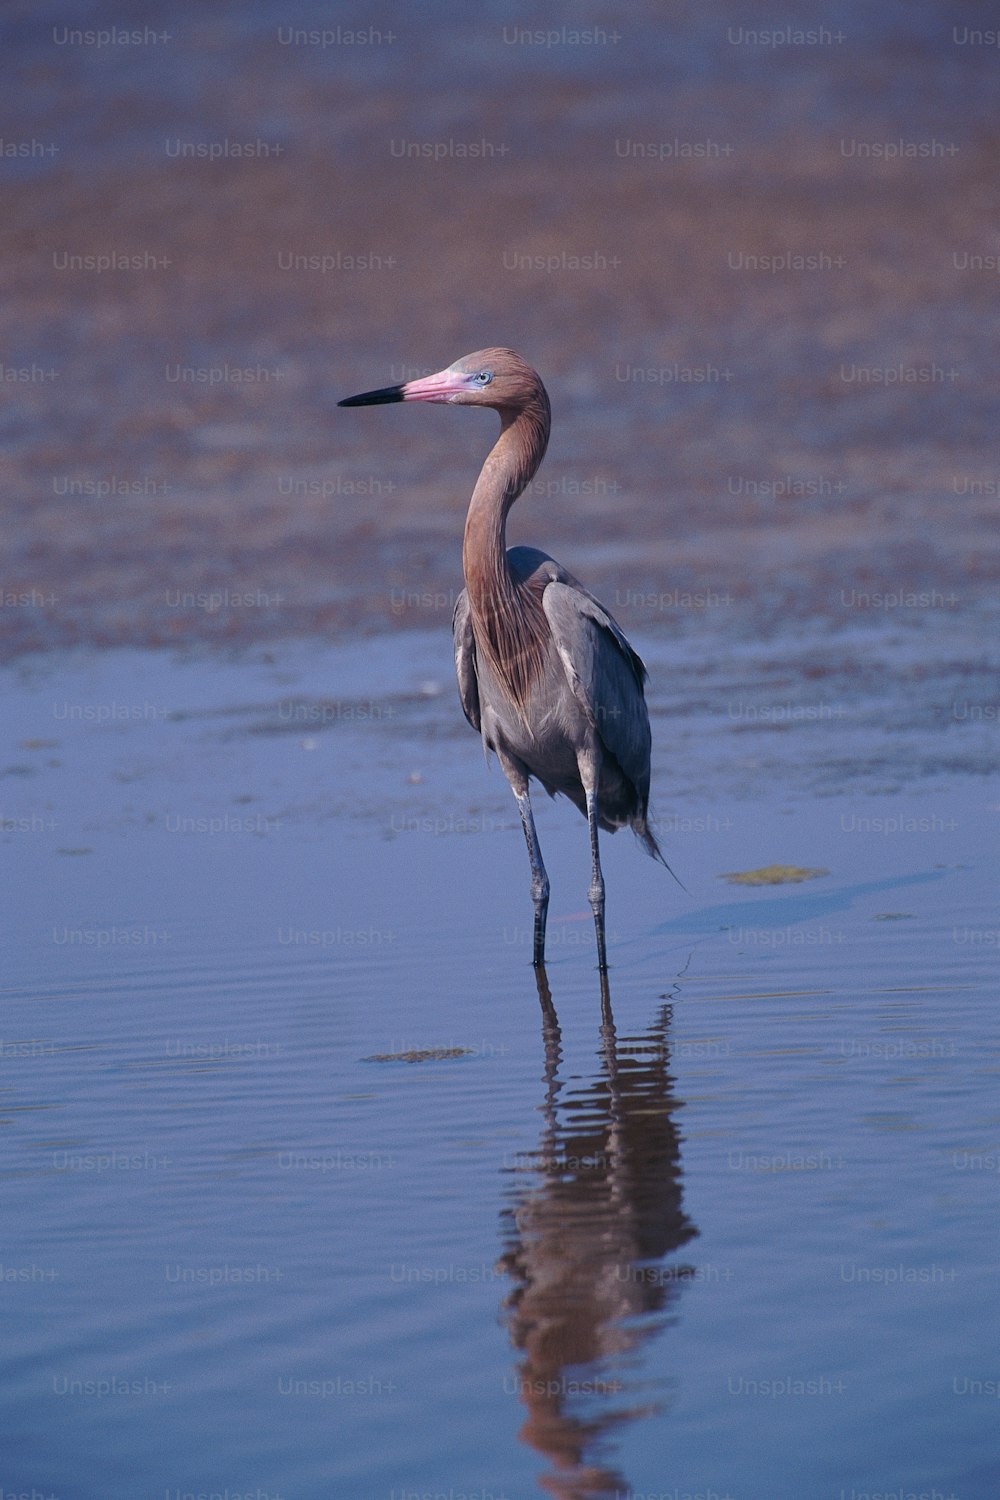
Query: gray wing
x=465, y=661
x=605, y=675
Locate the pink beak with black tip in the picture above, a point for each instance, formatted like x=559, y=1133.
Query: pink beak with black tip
x=440, y=387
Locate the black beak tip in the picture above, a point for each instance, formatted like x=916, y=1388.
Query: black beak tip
x=374, y=398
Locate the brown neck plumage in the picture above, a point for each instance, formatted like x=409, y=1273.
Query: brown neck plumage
x=508, y=622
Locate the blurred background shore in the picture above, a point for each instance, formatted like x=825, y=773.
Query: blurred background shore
x=756, y=268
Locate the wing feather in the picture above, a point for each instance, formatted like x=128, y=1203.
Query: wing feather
x=465, y=661
x=606, y=676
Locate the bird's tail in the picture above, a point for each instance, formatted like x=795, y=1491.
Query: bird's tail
x=646, y=837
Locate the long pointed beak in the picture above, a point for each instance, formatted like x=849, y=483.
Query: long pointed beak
x=375, y=398
x=439, y=387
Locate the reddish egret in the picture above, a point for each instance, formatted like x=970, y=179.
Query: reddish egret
x=545, y=674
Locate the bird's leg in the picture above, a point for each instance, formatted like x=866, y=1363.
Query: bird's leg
x=596, y=892
x=589, y=765
x=539, y=879
x=607, y=1018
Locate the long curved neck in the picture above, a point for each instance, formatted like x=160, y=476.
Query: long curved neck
x=507, y=622
x=508, y=470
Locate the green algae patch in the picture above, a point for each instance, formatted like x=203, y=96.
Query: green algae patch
x=773, y=875
x=421, y=1054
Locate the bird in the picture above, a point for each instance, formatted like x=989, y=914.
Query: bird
x=545, y=674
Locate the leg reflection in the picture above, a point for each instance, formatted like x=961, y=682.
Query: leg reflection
x=591, y=1211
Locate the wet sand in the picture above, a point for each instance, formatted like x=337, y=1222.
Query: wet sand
x=780, y=436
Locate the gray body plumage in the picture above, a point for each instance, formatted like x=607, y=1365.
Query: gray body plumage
x=589, y=696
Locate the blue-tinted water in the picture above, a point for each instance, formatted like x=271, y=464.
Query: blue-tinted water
x=311, y=1190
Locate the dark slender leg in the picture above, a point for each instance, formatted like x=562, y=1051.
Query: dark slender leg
x=596, y=892
x=607, y=1019
x=539, y=879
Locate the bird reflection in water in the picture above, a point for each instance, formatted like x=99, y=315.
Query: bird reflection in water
x=594, y=1210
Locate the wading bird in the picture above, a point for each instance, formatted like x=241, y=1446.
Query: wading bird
x=544, y=673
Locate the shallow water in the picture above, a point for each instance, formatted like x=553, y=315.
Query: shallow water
x=307, y=1192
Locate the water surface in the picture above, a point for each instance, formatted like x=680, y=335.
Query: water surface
x=313, y=1190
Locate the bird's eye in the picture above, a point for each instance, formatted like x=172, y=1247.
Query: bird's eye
x=483, y=377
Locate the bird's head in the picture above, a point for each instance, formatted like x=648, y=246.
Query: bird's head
x=491, y=377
